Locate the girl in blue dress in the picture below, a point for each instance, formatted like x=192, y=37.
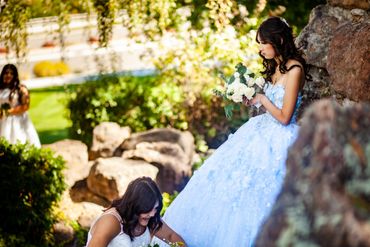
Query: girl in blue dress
x=227, y=199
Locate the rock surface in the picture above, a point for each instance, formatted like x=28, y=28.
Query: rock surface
x=109, y=177
x=76, y=156
x=325, y=200
x=349, y=60
x=107, y=136
x=327, y=44
x=170, y=150
x=351, y=4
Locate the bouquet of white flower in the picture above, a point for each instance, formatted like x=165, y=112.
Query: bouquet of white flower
x=243, y=83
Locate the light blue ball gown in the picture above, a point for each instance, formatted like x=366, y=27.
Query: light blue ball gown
x=227, y=199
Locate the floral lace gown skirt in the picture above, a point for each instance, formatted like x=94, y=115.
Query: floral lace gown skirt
x=227, y=199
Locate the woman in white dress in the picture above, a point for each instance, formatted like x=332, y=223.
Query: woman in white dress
x=15, y=125
x=133, y=220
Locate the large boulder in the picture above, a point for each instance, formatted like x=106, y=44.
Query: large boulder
x=63, y=233
x=110, y=177
x=107, y=136
x=168, y=149
x=325, y=199
x=183, y=138
x=81, y=193
x=325, y=48
x=351, y=4
x=82, y=212
x=76, y=156
x=349, y=60
x=174, y=166
x=317, y=35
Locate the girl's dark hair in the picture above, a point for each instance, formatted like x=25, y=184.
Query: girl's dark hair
x=140, y=197
x=279, y=34
x=14, y=85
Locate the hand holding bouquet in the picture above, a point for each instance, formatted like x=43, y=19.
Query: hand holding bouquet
x=4, y=108
x=243, y=83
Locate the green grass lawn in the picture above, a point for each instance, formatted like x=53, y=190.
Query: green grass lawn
x=49, y=113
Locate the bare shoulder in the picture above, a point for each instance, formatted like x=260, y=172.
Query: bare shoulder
x=104, y=230
x=293, y=64
x=107, y=223
x=295, y=74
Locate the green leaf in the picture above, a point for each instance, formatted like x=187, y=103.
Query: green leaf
x=241, y=68
x=243, y=80
x=217, y=92
x=223, y=77
x=232, y=79
x=229, y=110
x=238, y=66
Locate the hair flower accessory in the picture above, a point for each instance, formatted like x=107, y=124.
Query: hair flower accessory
x=283, y=20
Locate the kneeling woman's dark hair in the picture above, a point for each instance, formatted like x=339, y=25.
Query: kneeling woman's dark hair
x=140, y=197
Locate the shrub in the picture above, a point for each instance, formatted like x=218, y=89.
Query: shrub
x=31, y=182
x=139, y=102
x=144, y=103
x=61, y=68
x=167, y=200
x=195, y=63
x=48, y=68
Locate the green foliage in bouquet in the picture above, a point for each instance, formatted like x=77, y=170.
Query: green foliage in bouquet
x=240, y=86
x=31, y=182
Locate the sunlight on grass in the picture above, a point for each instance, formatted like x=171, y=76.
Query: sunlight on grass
x=49, y=114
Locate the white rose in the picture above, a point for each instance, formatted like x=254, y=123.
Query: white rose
x=230, y=90
x=250, y=82
x=237, y=98
x=260, y=81
x=249, y=93
x=237, y=80
x=239, y=90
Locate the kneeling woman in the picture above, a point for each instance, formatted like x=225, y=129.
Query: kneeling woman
x=133, y=220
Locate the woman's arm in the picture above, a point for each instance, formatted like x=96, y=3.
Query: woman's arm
x=283, y=115
x=104, y=230
x=168, y=235
x=25, y=103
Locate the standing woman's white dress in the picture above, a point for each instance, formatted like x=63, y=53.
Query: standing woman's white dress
x=17, y=128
